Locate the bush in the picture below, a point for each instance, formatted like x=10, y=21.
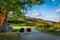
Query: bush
x=47, y=26
x=9, y=36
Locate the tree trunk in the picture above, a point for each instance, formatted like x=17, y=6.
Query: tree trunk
x=3, y=22
x=5, y=27
x=43, y=26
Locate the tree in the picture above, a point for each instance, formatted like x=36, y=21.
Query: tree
x=15, y=6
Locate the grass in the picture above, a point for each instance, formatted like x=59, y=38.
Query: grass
x=14, y=36
x=9, y=36
x=16, y=27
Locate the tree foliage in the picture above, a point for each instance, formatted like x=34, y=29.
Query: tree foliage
x=17, y=5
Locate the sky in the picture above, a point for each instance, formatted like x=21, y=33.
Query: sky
x=49, y=10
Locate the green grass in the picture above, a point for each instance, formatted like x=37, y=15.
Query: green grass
x=17, y=24
x=16, y=27
x=9, y=36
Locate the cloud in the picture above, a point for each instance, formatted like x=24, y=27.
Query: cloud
x=58, y=10
x=36, y=13
x=52, y=18
x=27, y=14
x=57, y=19
x=53, y=0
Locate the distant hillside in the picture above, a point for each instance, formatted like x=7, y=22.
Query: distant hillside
x=26, y=20
x=29, y=20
